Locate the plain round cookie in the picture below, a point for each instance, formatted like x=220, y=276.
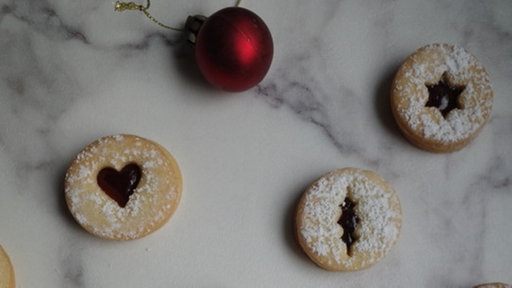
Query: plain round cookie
x=155, y=196
x=430, y=125
x=377, y=213
x=6, y=270
x=493, y=285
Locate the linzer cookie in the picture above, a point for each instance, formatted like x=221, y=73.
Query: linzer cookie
x=6, y=271
x=441, y=98
x=123, y=187
x=493, y=285
x=348, y=220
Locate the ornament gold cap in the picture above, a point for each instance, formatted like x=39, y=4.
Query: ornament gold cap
x=192, y=27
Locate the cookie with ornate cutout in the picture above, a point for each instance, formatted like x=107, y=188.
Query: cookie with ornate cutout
x=441, y=98
x=123, y=187
x=348, y=220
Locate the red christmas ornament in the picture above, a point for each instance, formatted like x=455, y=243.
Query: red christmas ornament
x=234, y=48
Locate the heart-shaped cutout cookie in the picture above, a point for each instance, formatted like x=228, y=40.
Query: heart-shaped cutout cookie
x=119, y=185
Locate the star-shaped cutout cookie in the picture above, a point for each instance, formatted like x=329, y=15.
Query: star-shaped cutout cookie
x=444, y=95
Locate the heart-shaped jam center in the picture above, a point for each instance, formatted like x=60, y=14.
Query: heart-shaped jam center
x=348, y=221
x=119, y=185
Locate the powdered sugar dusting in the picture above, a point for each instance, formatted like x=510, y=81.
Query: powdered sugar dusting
x=154, y=197
x=379, y=224
x=427, y=67
x=457, y=59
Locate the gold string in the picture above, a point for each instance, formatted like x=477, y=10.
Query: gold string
x=123, y=6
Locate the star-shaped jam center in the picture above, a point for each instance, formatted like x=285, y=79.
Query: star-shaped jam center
x=444, y=95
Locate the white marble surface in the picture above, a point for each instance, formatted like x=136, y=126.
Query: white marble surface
x=72, y=71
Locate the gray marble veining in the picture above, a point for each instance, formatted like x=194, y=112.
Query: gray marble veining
x=73, y=71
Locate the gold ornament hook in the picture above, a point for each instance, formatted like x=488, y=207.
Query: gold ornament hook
x=121, y=6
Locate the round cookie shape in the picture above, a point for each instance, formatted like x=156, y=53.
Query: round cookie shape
x=6, y=271
x=348, y=220
x=441, y=98
x=123, y=187
x=493, y=285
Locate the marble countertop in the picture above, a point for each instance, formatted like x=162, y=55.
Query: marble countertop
x=73, y=71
